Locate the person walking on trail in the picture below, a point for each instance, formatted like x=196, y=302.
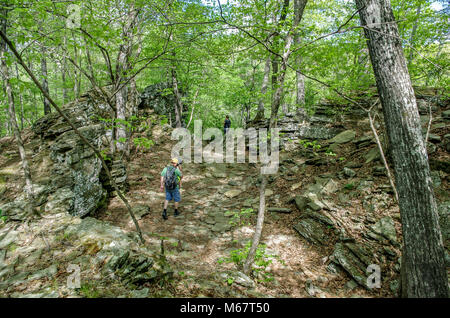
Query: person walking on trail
x=171, y=181
x=226, y=124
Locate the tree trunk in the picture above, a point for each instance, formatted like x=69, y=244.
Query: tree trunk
x=260, y=112
x=178, y=103
x=64, y=71
x=299, y=7
x=20, y=100
x=423, y=263
x=284, y=60
x=76, y=78
x=259, y=226
x=121, y=77
x=12, y=113
x=47, y=108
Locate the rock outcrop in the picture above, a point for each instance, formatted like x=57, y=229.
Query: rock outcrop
x=160, y=98
x=69, y=177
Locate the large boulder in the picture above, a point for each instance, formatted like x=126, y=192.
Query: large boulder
x=68, y=176
x=354, y=259
x=74, y=184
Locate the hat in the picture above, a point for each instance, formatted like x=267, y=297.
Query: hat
x=174, y=160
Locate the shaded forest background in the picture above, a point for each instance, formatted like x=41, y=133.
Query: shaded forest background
x=215, y=54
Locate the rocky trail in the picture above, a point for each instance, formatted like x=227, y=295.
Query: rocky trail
x=330, y=217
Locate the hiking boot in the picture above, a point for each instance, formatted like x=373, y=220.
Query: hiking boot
x=176, y=213
x=164, y=215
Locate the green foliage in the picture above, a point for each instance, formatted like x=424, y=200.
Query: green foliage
x=89, y=290
x=225, y=68
x=3, y=217
x=164, y=120
x=261, y=261
x=309, y=144
x=239, y=218
x=105, y=156
x=330, y=153
x=349, y=186
x=143, y=142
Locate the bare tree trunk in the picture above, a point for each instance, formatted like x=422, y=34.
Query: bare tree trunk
x=193, y=107
x=133, y=94
x=12, y=114
x=20, y=100
x=47, y=109
x=423, y=273
x=89, y=60
x=260, y=112
x=76, y=76
x=178, y=102
x=284, y=60
x=121, y=77
x=259, y=227
x=272, y=124
x=300, y=79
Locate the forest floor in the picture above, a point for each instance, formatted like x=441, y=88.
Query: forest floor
x=196, y=242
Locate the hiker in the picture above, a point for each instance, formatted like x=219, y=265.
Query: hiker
x=226, y=124
x=171, y=180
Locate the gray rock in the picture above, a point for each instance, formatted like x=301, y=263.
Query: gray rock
x=281, y=210
x=364, y=141
x=434, y=138
x=301, y=201
x=386, y=228
x=243, y=280
x=314, y=203
x=344, y=137
x=379, y=171
x=76, y=182
x=221, y=226
x=232, y=193
x=435, y=178
x=317, y=132
x=313, y=290
x=330, y=187
x=11, y=237
x=142, y=293
x=353, y=165
x=140, y=211
x=47, y=272
x=354, y=259
x=312, y=231
x=372, y=155
x=351, y=284
x=349, y=173
x=446, y=114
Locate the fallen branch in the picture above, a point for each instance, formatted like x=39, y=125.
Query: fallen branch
x=380, y=148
